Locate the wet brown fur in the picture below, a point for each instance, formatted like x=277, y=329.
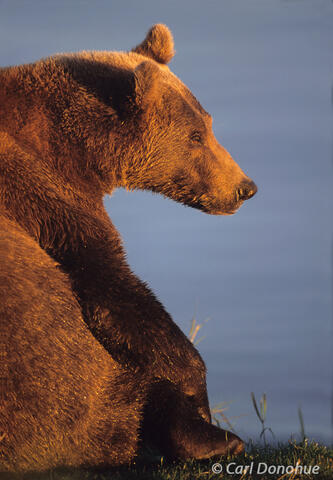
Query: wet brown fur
x=92, y=362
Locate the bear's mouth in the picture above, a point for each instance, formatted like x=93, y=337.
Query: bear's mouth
x=199, y=199
x=217, y=211
x=212, y=206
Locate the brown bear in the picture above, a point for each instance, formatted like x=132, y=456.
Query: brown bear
x=91, y=363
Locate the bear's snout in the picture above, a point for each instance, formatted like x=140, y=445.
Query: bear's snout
x=246, y=190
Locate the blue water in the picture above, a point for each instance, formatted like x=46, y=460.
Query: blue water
x=263, y=69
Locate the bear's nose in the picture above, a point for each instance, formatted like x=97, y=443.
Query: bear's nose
x=246, y=190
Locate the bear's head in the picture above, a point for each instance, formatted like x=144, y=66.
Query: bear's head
x=159, y=136
x=183, y=159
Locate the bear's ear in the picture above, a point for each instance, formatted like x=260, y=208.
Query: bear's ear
x=157, y=45
x=146, y=81
x=137, y=89
x=127, y=91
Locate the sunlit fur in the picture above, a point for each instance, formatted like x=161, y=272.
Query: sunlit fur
x=91, y=361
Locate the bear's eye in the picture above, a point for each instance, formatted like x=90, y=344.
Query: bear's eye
x=196, y=137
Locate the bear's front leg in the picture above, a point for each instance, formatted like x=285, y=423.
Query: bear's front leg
x=161, y=351
x=125, y=316
x=140, y=335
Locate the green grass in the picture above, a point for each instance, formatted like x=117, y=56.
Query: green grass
x=306, y=453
